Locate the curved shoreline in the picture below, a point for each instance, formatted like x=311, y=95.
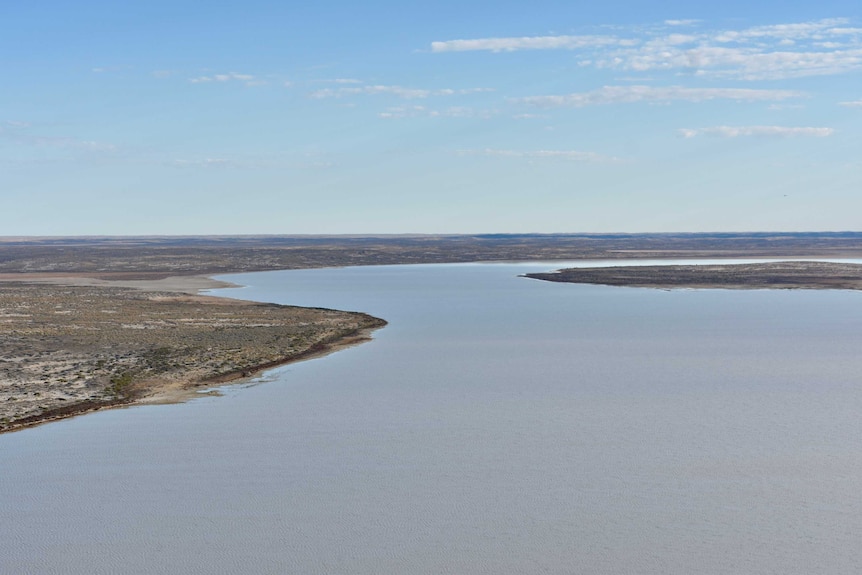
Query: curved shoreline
x=300, y=334
x=183, y=385
x=180, y=392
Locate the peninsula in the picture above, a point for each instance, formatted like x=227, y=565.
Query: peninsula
x=69, y=349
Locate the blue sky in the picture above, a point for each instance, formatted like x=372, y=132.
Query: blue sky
x=391, y=117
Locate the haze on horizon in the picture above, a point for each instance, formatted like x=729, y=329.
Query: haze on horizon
x=386, y=117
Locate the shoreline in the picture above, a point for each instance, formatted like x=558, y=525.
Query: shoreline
x=174, y=392
x=183, y=384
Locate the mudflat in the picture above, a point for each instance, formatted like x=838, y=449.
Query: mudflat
x=771, y=275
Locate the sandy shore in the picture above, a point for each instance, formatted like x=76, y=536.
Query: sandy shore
x=179, y=391
x=165, y=392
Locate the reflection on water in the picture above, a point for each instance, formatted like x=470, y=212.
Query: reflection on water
x=497, y=425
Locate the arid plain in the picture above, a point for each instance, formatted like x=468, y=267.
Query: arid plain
x=89, y=323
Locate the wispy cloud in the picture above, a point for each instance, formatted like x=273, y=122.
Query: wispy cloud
x=530, y=116
x=26, y=147
x=204, y=163
x=762, y=131
x=16, y=132
x=108, y=69
x=529, y=43
x=571, y=155
x=746, y=63
x=686, y=22
x=247, y=79
x=399, y=112
x=252, y=162
x=631, y=94
x=778, y=51
x=398, y=91
x=854, y=104
x=817, y=29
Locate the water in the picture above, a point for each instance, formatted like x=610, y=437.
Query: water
x=497, y=425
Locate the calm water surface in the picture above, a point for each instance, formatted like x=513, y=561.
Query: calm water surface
x=497, y=425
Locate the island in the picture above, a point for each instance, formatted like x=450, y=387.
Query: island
x=769, y=275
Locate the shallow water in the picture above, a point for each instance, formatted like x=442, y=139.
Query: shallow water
x=497, y=425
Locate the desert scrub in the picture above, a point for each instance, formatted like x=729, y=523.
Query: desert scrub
x=152, y=339
x=120, y=384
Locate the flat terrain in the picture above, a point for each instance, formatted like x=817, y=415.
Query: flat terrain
x=87, y=323
x=155, y=257
x=68, y=349
x=774, y=275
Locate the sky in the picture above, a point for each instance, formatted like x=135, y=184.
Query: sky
x=336, y=117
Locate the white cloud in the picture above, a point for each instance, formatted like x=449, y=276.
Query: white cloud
x=795, y=31
x=529, y=43
x=780, y=107
x=404, y=112
x=572, y=155
x=109, y=69
x=768, y=131
x=688, y=22
x=17, y=133
x=854, y=104
x=631, y=94
x=743, y=63
x=820, y=47
x=423, y=111
x=758, y=53
x=204, y=163
x=399, y=91
x=337, y=81
x=247, y=79
x=252, y=162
